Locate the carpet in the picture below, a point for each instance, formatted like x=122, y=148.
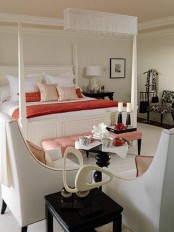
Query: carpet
x=9, y=224
x=150, y=140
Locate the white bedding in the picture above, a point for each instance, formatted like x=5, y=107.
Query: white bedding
x=8, y=107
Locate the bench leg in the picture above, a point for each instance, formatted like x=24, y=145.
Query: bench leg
x=24, y=229
x=87, y=154
x=4, y=206
x=161, y=120
x=139, y=146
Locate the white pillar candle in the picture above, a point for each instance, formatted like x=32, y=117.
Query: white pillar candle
x=120, y=106
x=129, y=107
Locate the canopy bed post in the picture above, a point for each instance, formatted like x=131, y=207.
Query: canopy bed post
x=22, y=104
x=134, y=82
x=75, y=63
x=37, y=129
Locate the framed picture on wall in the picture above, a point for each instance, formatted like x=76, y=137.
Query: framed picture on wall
x=117, y=68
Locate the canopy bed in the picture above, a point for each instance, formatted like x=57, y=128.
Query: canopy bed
x=65, y=123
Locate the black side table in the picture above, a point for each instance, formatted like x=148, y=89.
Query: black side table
x=70, y=220
x=99, y=95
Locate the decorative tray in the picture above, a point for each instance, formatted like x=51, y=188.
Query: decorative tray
x=111, y=128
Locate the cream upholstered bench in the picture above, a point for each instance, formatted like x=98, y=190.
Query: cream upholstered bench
x=69, y=141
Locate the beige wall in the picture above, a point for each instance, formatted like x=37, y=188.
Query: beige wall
x=157, y=51
x=51, y=47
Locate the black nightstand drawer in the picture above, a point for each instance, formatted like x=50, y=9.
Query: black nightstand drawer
x=99, y=95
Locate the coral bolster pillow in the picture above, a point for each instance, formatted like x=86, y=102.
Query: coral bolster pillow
x=32, y=97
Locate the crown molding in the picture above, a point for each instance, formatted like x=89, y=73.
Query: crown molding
x=57, y=32
x=159, y=33
x=149, y=27
x=32, y=20
x=161, y=22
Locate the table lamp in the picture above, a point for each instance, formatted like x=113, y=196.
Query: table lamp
x=93, y=71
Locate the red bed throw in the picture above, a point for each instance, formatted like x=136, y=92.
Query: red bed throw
x=45, y=109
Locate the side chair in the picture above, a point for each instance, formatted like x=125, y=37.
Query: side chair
x=147, y=200
x=24, y=179
x=166, y=105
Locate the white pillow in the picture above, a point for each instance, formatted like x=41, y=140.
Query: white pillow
x=63, y=80
x=4, y=93
x=30, y=84
x=52, y=155
x=14, y=89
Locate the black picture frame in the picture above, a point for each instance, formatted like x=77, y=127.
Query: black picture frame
x=117, y=68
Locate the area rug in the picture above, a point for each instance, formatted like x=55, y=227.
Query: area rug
x=105, y=228
x=108, y=228
x=9, y=224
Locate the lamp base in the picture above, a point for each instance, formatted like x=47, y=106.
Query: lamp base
x=93, y=85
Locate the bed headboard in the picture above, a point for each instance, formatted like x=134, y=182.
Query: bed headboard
x=35, y=69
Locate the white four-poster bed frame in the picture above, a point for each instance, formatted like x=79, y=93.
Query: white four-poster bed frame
x=38, y=130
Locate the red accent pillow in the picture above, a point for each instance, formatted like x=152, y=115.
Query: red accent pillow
x=79, y=93
x=32, y=97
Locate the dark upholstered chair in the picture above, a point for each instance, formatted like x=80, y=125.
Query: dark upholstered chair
x=166, y=105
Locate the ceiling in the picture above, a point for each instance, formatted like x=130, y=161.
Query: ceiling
x=145, y=10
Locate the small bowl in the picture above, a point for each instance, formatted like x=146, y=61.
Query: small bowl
x=118, y=141
x=107, y=142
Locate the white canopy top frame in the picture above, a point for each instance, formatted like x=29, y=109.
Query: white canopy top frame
x=20, y=19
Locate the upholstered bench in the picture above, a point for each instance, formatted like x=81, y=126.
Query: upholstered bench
x=69, y=141
x=62, y=142
x=131, y=136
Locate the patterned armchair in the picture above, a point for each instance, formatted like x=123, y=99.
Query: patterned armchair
x=166, y=106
